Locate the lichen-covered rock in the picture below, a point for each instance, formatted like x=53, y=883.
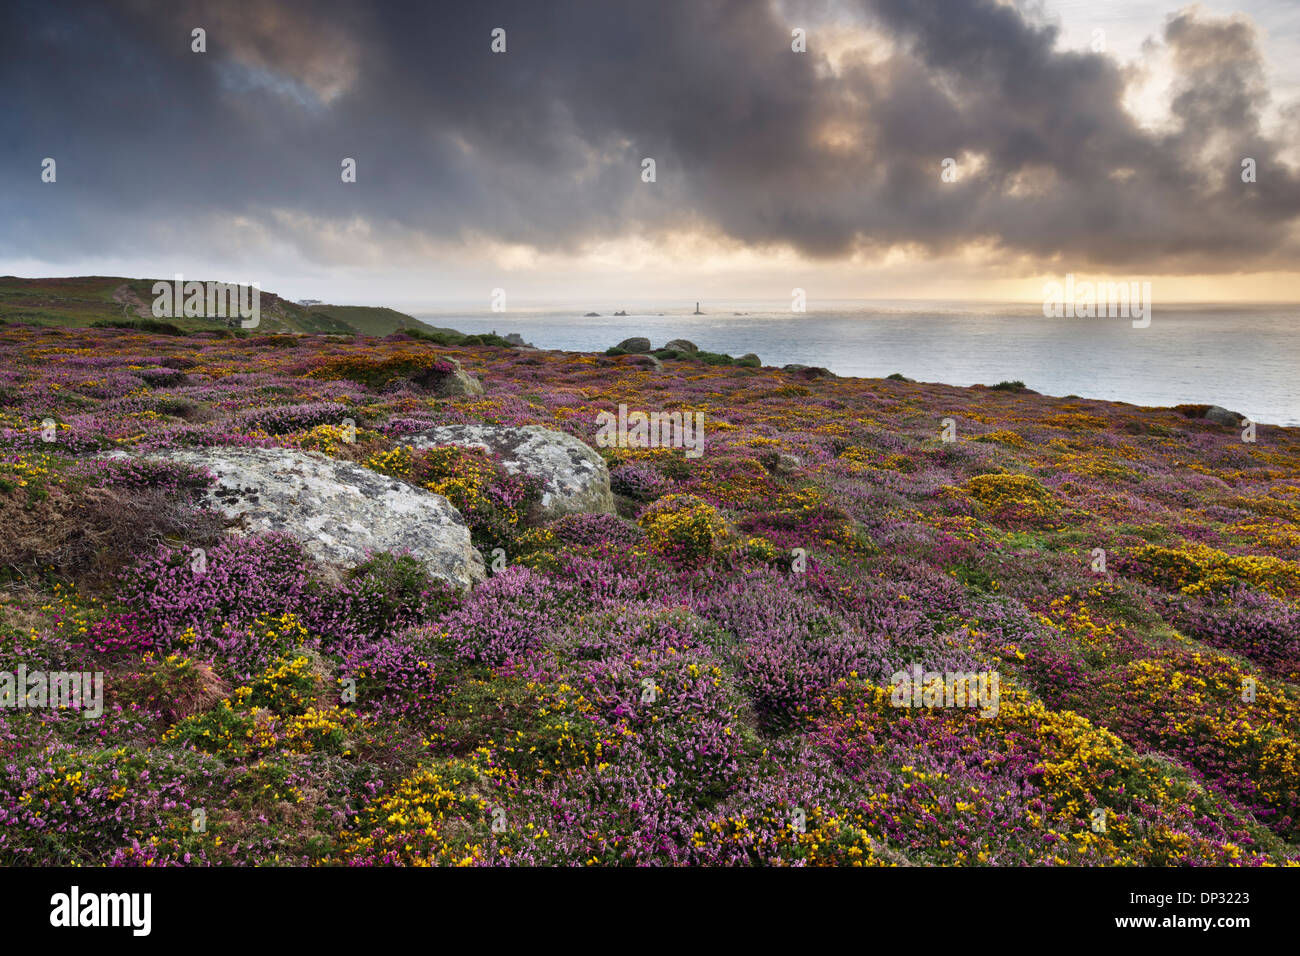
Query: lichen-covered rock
x=637, y=343
x=682, y=345
x=573, y=475
x=340, y=511
x=786, y=464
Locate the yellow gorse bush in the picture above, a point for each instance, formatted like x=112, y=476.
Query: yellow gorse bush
x=683, y=526
x=1200, y=569
x=1003, y=437
x=396, y=462
x=419, y=821
x=1012, y=497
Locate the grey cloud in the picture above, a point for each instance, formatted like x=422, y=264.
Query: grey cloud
x=542, y=146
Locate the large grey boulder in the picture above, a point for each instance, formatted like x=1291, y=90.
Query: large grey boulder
x=682, y=345
x=638, y=343
x=809, y=372
x=573, y=475
x=340, y=511
x=1221, y=416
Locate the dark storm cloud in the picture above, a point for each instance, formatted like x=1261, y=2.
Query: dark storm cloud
x=542, y=145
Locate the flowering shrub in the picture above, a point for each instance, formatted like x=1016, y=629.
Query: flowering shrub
x=683, y=528
x=241, y=580
x=1020, y=788
x=1200, y=569
x=138, y=473
x=786, y=649
x=601, y=532
x=392, y=679
x=282, y=419
x=638, y=481
x=505, y=618
x=1012, y=499
x=173, y=687
x=425, y=820
x=1193, y=705
x=335, y=440
x=493, y=502
x=524, y=729
x=426, y=369
x=380, y=596
x=1255, y=625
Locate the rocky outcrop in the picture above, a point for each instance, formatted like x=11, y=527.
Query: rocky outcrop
x=682, y=345
x=340, y=511
x=1215, y=414
x=637, y=343
x=1221, y=416
x=573, y=476
x=809, y=372
x=749, y=360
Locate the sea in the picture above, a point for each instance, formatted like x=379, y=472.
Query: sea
x=1244, y=358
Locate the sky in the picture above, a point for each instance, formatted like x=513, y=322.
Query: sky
x=951, y=149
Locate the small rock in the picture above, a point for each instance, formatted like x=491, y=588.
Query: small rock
x=459, y=382
x=787, y=464
x=781, y=463
x=749, y=360
x=648, y=360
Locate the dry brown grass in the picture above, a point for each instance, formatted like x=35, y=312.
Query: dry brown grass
x=89, y=536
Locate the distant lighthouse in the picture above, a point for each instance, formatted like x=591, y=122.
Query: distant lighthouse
x=697, y=309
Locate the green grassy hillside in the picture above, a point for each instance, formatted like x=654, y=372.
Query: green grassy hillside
x=104, y=300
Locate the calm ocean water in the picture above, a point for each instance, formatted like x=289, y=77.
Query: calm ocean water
x=1246, y=358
